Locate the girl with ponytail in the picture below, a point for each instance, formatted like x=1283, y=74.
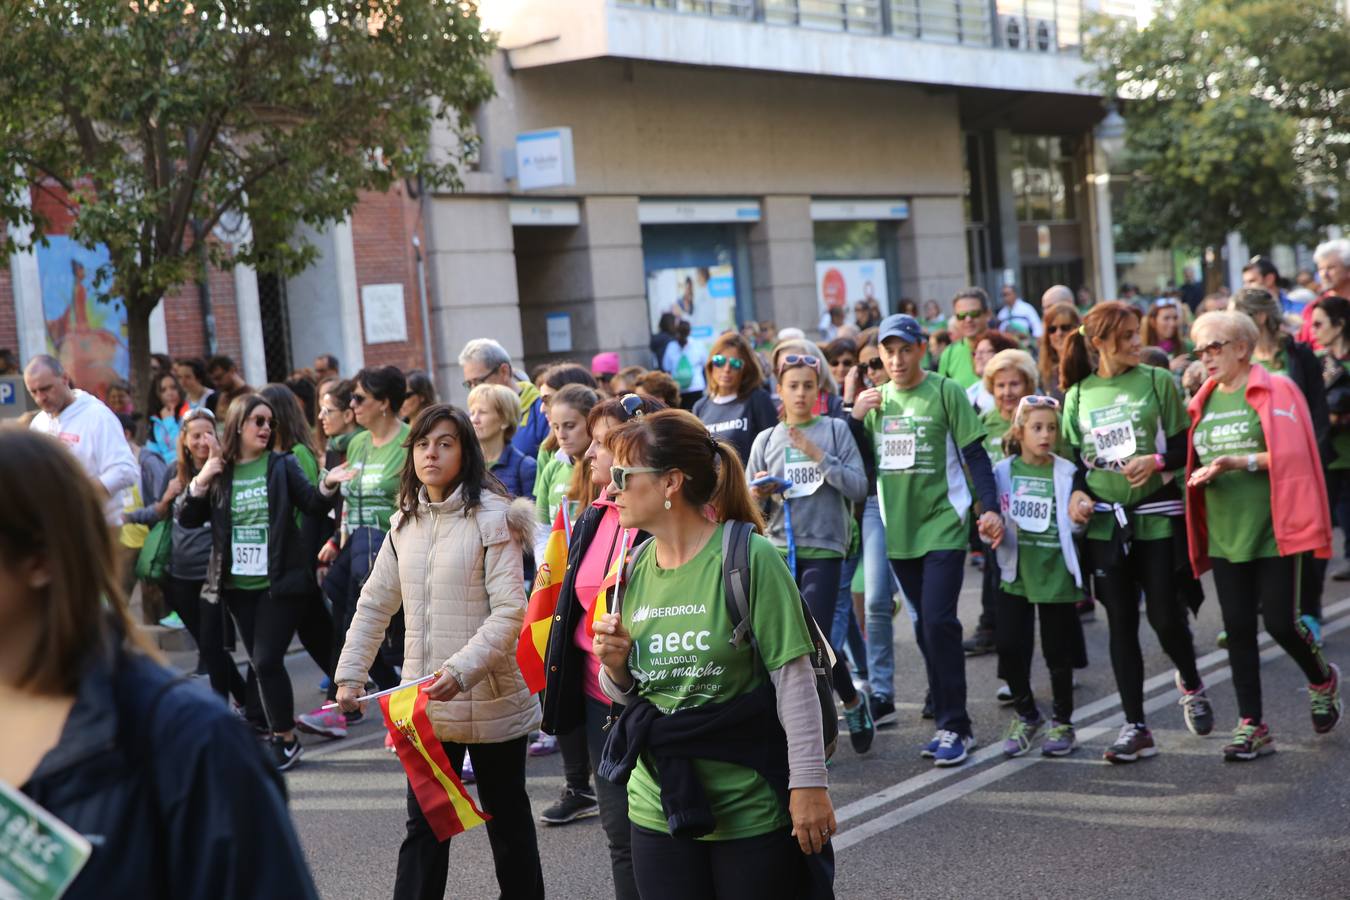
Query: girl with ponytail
x=667, y=655
x=1126, y=427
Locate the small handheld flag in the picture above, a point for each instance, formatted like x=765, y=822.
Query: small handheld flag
x=533, y=644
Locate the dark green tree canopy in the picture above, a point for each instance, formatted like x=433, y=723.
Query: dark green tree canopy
x=155, y=117
x=1239, y=119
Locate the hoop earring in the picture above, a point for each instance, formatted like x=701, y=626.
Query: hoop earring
x=667, y=503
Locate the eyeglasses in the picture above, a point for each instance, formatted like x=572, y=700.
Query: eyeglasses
x=735, y=362
x=800, y=359
x=329, y=412
x=632, y=406
x=619, y=474
x=1213, y=348
x=261, y=421
x=875, y=364
x=471, y=383
x=1037, y=401
x=1066, y=328
x=969, y=315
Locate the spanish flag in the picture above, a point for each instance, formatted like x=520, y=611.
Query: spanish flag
x=440, y=793
x=603, y=597
x=533, y=644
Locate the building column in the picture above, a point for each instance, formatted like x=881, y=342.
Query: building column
x=353, y=352
x=30, y=320
x=783, y=263
x=613, y=237
x=933, y=250
x=1102, y=223
x=250, y=324
x=472, y=256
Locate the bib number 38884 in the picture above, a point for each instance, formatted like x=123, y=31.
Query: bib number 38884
x=1113, y=433
x=248, y=550
x=897, y=444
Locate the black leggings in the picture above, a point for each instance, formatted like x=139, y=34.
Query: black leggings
x=764, y=867
x=1268, y=587
x=1061, y=635
x=818, y=580
x=206, y=623
x=613, y=800
x=266, y=622
x=1150, y=567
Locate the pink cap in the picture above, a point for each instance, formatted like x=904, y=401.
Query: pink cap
x=605, y=364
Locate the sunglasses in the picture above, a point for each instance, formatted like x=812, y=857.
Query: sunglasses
x=1037, y=401
x=1066, y=328
x=735, y=362
x=632, y=406
x=875, y=364
x=261, y=421
x=358, y=399
x=1211, y=349
x=800, y=359
x=199, y=413
x=619, y=474
x=969, y=315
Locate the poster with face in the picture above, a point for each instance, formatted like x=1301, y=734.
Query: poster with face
x=844, y=282
x=88, y=336
x=704, y=296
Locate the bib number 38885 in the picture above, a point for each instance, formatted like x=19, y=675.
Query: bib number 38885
x=897, y=444
x=804, y=473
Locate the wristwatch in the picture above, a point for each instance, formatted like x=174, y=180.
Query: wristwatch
x=1251, y=462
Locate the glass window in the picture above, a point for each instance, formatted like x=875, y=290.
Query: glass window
x=1043, y=178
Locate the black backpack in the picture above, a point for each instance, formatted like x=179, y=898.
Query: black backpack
x=736, y=588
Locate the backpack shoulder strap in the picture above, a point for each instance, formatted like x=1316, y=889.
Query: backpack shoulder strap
x=736, y=578
x=628, y=575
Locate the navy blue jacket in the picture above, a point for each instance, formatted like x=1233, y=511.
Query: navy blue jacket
x=516, y=472
x=171, y=790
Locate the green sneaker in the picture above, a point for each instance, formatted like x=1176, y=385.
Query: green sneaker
x=1222, y=640
x=1020, y=733
x=1060, y=740
x=1250, y=740
x=1325, y=700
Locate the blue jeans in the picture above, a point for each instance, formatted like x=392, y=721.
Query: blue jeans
x=880, y=603
x=845, y=635
x=933, y=584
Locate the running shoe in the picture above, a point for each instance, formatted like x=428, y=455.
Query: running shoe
x=1326, y=702
x=325, y=684
x=572, y=805
x=1004, y=694
x=980, y=643
x=1134, y=742
x=1314, y=628
x=1195, y=708
x=930, y=749
x=285, y=753
x=861, y=731
x=1087, y=610
x=171, y=621
x=927, y=711
x=1020, y=734
x=882, y=710
x=543, y=745
x=1341, y=574
x=329, y=723
x=1250, y=740
x=1222, y=640
x=952, y=749
x=1060, y=739
x=466, y=774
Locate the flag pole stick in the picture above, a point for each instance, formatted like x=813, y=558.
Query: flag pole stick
x=378, y=694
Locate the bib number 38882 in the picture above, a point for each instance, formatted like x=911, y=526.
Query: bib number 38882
x=897, y=444
x=248, y=550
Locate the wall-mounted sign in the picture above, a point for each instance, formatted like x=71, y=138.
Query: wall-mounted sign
x=559, y=332
x=545, y=212
x=382, y=313
x=544, y=159
x=1043, y=241
x=676, y=212
x=862, y=209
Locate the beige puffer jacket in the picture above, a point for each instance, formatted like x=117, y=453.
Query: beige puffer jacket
x=460, y=582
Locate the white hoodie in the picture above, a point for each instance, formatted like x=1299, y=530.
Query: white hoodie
x=94, y=435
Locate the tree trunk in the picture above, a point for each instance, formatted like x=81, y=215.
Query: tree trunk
x=138, y=343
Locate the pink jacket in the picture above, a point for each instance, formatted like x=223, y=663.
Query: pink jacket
x=1298, y=490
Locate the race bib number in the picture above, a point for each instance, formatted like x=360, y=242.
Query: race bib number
x=803, y=472
x=1032, y=503
x=248, y=544
x=1113, y=433
x=39, y=854
x=896, y=444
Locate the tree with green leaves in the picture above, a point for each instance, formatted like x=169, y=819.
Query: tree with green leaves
x=1238, y=117
x=154, y=120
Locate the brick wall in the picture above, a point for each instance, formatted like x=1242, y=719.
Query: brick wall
x=9, y=325
x=382, y=229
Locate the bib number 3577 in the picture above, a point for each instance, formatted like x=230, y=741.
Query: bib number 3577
x=248, y=548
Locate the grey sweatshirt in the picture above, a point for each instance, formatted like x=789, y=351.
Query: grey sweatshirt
x=819, y=520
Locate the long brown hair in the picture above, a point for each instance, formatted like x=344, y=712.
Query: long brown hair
x=582, y=488
x=713, y=474
x=1102, y=323
x=51, y=513
x=290, y=425
x=187, y=467
x=752, y=376
x=1049, y=362
x=1148, y=328
x=474, y=477
x=240, y=410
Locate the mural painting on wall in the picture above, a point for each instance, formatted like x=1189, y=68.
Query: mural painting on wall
x=89, y=336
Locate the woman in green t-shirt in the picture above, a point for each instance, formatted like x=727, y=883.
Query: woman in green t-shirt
x=668, y=656
x=567, y=412
x=1248, y=476
x=1127, y=428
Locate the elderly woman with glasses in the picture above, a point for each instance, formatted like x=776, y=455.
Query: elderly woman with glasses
x=1255, y=501
x=735, y=407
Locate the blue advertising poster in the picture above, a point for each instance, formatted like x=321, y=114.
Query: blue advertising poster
x=88, y=336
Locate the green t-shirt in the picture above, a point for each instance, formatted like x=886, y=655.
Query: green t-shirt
x=920, y=483
x=1277, y=366
x=550, y=489
x=1109, y=421
x=248, y=527
x=310, y=466
x=372, y=496
x=995, y=427
x=1237, y=503
x=958, y=363
x=1042, y=576
x=682, y=658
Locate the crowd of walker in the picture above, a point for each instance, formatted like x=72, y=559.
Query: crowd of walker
x=768, y=501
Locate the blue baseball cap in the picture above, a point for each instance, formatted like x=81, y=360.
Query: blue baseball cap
x=901, y=326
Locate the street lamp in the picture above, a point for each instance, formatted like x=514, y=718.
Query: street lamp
x=1110, y=134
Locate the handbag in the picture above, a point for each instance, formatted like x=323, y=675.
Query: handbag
x=152, y=564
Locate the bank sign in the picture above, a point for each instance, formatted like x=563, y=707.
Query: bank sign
x=544, y=159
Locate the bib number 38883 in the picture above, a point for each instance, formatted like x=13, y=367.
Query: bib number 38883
x=897, y=444
x=1113, y=433
x=1032, y=503
x=248, y=550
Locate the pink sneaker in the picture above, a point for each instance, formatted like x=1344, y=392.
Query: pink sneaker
x=330, y=723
